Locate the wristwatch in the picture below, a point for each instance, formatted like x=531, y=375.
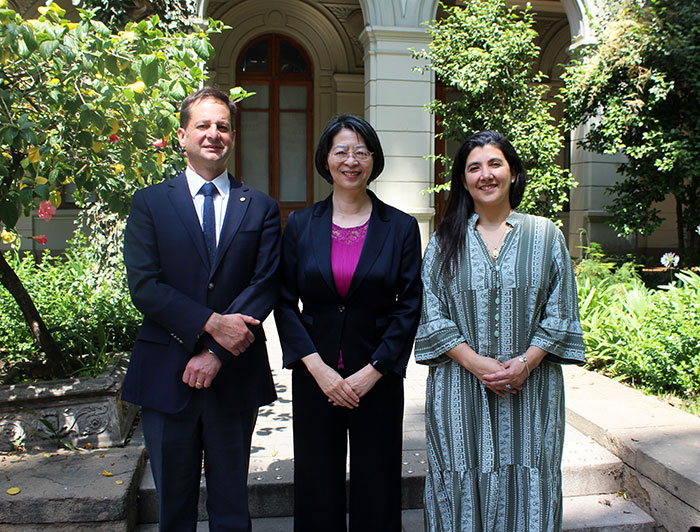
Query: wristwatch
x=381, y=368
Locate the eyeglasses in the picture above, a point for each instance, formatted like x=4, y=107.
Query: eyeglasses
x=359, y=155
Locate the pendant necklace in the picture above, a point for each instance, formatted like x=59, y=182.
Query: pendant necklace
x=496, y=251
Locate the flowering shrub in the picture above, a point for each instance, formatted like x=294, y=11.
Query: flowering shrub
x=86, y=105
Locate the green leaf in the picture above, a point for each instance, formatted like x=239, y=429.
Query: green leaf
x=9, y=213
x=42, y=191
x=22, y=49
x=177, y=90
x=28, y=135
x=28, y=37
x=10, y=134
x=46, y=48
x=200, y=46
x=26, y=196
x=196, y=72
x=150, y=72
x=111, y=64
x=84, y=138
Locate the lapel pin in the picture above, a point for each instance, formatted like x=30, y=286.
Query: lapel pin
x=241, y=198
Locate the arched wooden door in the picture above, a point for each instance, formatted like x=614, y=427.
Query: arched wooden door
x=274, y=151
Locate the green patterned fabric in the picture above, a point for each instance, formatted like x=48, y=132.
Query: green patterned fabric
x=495, y=464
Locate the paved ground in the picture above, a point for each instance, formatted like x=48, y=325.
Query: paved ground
x=272, y=459
x=272, y=441
x=658, y=444
x=272, y=454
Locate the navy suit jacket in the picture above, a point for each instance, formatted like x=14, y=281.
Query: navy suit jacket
x=176, y=288
x=378, y=318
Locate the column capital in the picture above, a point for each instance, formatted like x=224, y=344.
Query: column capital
x=404, y=13
x=372, y=36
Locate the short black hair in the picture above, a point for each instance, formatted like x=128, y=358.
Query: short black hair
x=201, y=94
x=363, y=129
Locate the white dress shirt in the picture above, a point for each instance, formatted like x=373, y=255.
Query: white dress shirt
x=223, y=186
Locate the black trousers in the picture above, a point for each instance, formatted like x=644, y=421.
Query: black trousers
x=176, y=443
x=321, y=434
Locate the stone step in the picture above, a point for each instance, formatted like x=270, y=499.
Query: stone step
x=605, y=513
x=585, y=513
x=587, y=469
x=64, y=491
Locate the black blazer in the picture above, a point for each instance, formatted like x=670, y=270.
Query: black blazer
x=174, y=286
x=378, y=318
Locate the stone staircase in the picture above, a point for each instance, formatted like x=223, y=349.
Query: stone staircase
x=621, y=448
x=593, y=498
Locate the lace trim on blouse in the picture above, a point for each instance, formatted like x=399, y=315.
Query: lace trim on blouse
x=349, y=235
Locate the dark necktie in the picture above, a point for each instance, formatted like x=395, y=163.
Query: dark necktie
x=209, y=190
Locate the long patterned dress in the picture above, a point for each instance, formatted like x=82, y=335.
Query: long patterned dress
x=495, y=463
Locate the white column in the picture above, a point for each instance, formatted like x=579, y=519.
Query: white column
x=395, y=100
x=594, y=173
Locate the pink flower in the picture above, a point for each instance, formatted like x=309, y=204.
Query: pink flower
x=41, y=239
x=160, y=143
x=114, y=138
x=46, y=211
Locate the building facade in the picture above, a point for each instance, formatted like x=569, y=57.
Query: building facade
x=309, y=60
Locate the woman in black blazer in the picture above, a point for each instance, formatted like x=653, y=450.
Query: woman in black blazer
x=354, y=263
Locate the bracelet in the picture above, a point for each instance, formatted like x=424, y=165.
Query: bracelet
x=523, y=359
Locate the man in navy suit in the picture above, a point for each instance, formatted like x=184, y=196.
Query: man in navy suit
x=202, y=254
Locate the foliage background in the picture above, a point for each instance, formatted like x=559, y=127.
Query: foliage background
x=648, y=338
x=176, y=15
x=87, y=305
x=486, y=52
x=84, y=105
x=638, y=91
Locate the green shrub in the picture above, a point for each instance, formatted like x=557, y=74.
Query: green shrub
x=86, y=307
x=644, y=337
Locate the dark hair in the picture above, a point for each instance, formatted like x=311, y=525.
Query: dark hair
x=201, y=94
x=361, y=128
x=452, y=231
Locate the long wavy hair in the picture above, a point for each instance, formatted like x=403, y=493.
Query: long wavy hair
x=452, y=231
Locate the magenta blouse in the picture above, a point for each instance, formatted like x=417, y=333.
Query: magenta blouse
x=346, y=246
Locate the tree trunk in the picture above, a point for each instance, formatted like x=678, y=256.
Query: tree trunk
x=680, y=225
x=54, y=358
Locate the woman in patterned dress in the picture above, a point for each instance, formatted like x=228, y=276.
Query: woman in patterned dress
x=499, y=317
x=354, y=264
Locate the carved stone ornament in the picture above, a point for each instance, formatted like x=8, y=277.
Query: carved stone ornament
x=79, y=411
x=341, y=12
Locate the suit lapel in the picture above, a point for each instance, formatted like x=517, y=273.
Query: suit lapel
x=238, y=201
x=377, y=232
x=179, y=195
x=321, y=230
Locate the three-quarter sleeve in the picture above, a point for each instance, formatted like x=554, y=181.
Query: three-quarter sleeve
x=437, y=332
x=559, y=329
